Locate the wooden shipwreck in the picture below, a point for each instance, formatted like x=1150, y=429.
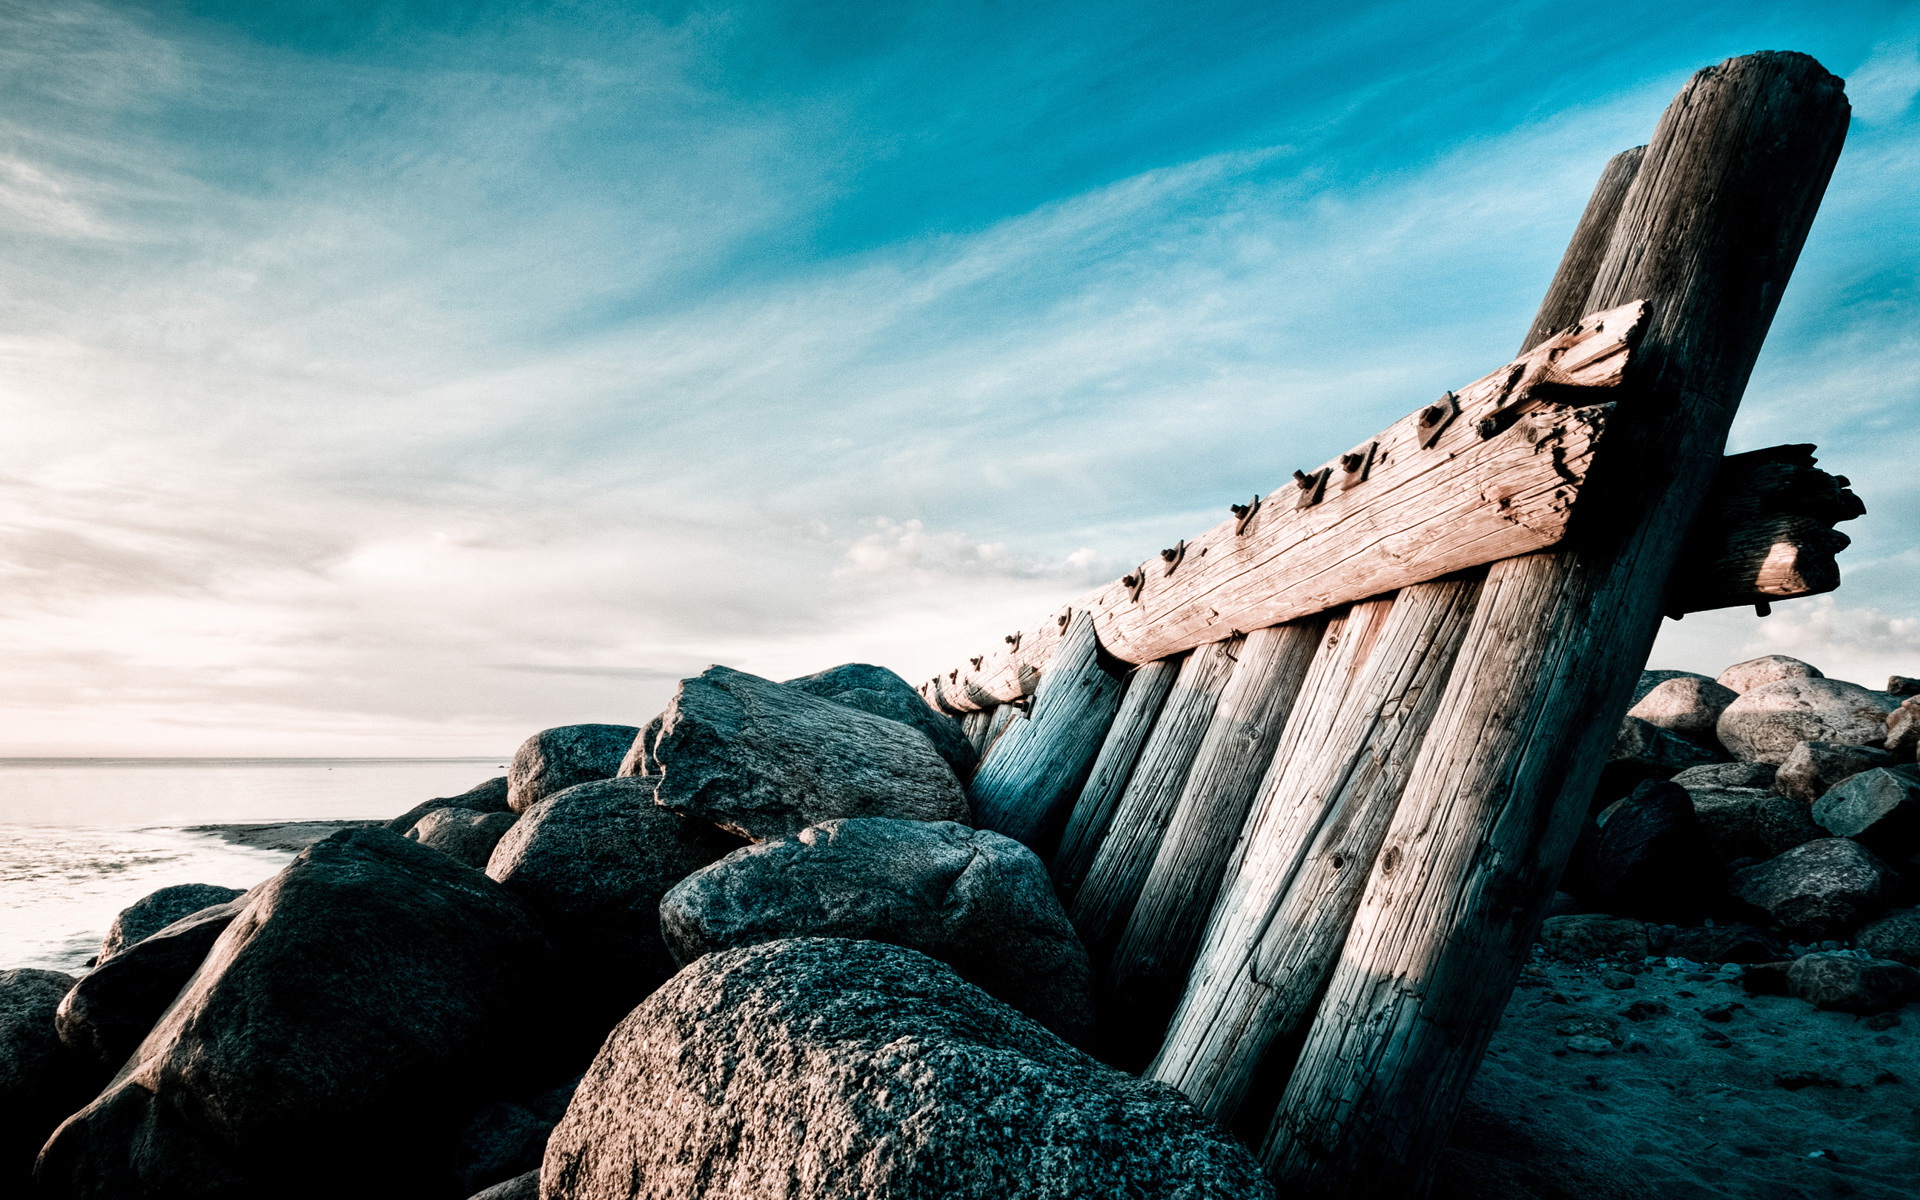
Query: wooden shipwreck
x=1308, y=780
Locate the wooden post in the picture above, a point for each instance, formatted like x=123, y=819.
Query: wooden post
x=1708, y=233
x=1147, y=687
x=1104, y=901
x=1283, y=917
x=1566, y=297
x=974, y=725
x=1144, y=977
x=1037, y=766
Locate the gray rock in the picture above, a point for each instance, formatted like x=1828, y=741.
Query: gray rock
x=1821, y=889
x=1880, y=809
x=371, y=995
x=884, y=694
x=817, y=1069
x=490, y=796
x=1650, y=680
x=764, y=760
x=522, y=1187
x=40, y=1082
x=976, y=900
x=1768, y=668
x=1688, y=705
x=554, y=760
x=1659, y=753
x=1593, y=935
x=1895, y=936
x=591, y=863
x=1719, y=776
x=1646, y=857
x=1813, y=767
x=110, y=1011
x=1751, y=822
x=463, y=835
x=1845, y=983
x=152, y=913
x=1903, y=730
x=1767, y=722
x=1733, y=943
x=1902, y=685
x=639, y=757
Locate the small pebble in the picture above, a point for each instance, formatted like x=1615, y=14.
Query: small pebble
x=1617, y=980
x=1589, y=1045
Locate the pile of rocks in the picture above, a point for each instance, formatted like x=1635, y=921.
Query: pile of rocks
x=750, y=948
x=1773, y=819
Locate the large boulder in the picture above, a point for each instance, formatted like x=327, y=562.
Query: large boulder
x=884, y=694
x=520, y=1187
x=1880, y=809
x=1655, y=752
x=40, y=1082
x=1650, y=680
x=505, y=1141
x=367, y=998
x=1813, y=767
x=1649, y=859
x=1848, y=983
x=1822, y=889
x=1745, y=676
x=1689, y=705
x=1903, y=730
x=1895, y=936
x=1767, y=722
x=591, y=864
x=152, y=913
x=817, y=1069
x=764, y=760
x=463, y=835
x=554, y=760
x=639, y=757
x=1718, y=776
x=976, y=900
x=1751, y=822
x=487, y=797
x=109, y=1012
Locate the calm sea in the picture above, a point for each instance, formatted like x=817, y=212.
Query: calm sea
x=82, y=838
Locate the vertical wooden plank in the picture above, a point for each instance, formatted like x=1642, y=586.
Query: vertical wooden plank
x=975, y=725
x=1147, y=688
x=999, y=717
x=1145, y=975
x=1708, y=234
x=1566, y=298
x=1036, y=768
x=1283, y=916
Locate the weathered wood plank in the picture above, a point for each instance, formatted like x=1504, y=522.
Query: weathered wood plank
x=1765, y=533
x=1315, y=829
x=1144, y=978
x=1566, y=298
x=1488, y=472
x=1709, y=232
x=1147, y=688
x=974, y=725
x=1037, y=766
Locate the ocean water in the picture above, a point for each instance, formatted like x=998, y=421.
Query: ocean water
x=82, y=838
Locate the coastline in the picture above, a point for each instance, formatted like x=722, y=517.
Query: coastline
x=288, y=836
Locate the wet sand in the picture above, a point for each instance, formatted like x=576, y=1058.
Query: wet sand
x=289, y=836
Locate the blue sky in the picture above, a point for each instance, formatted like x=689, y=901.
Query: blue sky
x=402, y=378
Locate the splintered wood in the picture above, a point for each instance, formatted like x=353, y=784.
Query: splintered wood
x=1484, y=473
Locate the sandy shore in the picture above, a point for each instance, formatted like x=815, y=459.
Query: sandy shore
x=290, y=836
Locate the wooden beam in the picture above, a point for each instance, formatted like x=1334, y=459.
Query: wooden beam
x=1484, y=473
x=1765, y=533
x=1709, y=232
x=1566, y=297
x=1147, y=687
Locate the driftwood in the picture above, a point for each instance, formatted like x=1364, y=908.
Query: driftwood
x=1708, y=233
x=1147, y=687
x=1765, y=533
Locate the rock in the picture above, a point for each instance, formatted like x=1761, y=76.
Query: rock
x=819, y=1069
x=1820, y=889
x=1813, y=767
x=884, y=694
x=1689, y=705
x=1903, y=730
x=1589, y=1045
x=490, y=796
x=1895, y=936
x=639, y=757
x=1655, y=752
x=40, y=1082
x=1751, y=823
x=1564, y=905
x=1768, y=721
x=1766, y=979
x=1647, y=859
x=523, y=1187
x=368, y=998
x=1650, y=680
x=504, y=1141
x=108, y=1013
x=150, y=914
x=1734, y=943
x=976, y=900
x=1727, y=775
x=1593, y=935
x=1880, y=809
x=591, y=863
x=463, y=835
x=765, y=760
x=554, y=760
x=1616, y=981
x=1745, y=676
x=1901, y=685
x=1846, y=983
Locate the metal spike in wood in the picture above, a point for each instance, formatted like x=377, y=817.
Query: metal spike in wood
x=1147, y=687
x=1708, y=233
x=1034, y=771
x=1145, y=975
